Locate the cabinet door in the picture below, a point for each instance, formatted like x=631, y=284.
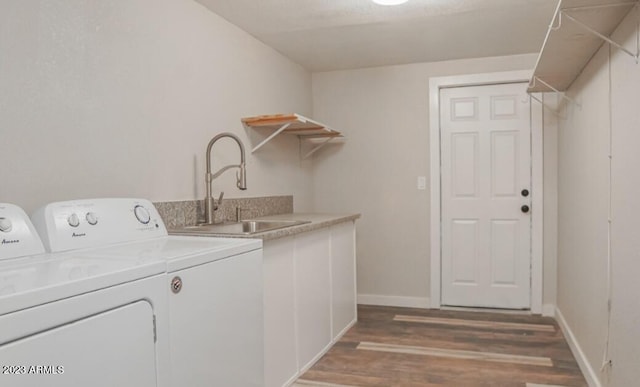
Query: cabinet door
x=217, y=324
x=343, y=277
x=280, y=362
x=313, y=294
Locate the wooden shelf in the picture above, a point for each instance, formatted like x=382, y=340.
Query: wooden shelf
x=296, y=124
x=578, y=30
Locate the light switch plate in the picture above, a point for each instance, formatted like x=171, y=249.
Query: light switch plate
x=422, y=182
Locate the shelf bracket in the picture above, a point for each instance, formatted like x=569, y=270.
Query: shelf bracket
x=565, y=13
x=317, y=148
x=545, y=106
x=559, y=15
x=558, y=92
x=266, y=140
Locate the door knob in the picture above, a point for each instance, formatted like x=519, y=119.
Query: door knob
x=525, y=192
x=525, y=208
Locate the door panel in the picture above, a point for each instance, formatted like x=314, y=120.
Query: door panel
x=463, y=164
x=504, y=159
x=504, y=107
x=464, y=109
x=504, y=252
x=464, y=255
x=486, y=162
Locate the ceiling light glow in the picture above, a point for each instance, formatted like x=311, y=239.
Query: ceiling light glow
x=389, y=2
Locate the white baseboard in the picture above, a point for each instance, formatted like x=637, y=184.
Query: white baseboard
x=548, y=310
x=407, y=302
x=588, y=372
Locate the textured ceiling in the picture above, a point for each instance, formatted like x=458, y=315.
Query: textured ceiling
x=324, y=35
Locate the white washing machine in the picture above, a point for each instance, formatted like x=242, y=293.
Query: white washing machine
x=213, y=285
x=70, y=320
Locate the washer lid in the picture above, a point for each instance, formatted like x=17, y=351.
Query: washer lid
x=179, y=252
x=33, y=281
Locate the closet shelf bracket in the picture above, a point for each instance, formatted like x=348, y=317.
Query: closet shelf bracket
x=327, y=139
x=561, y=95
x=274, y=134
x=575, y=35
x=545, y=106
x=566, y=13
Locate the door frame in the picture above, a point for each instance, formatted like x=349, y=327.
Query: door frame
x=435, y=84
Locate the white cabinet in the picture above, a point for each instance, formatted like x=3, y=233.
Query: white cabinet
x=313, y=294
x=343, y=277
x=280, y=360
x=309, y=298
x=216, y=319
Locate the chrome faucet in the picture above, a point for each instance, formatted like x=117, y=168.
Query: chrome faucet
x=210, y=206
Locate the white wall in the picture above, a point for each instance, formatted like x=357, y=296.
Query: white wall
x=625, y=331
x=625, y=240
x=120, y=98
x=583, y=205
x=584, y=191
x=550, y=215
x=384, y=113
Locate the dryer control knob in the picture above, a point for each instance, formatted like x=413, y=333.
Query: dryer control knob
x=5, y=225
x=92, y=219
x=142, y=214
x=73, y=220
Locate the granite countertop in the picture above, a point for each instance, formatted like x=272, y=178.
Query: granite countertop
x=316, y=220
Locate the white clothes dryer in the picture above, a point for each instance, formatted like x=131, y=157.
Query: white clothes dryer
x=213, y=285
x=71, y=320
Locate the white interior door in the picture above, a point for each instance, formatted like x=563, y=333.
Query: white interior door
x=485, y=137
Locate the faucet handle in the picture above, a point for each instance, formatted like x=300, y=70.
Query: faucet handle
x=219, y=201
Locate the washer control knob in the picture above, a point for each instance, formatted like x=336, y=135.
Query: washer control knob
x=92, y=219
x=73, y=220
x=5, y=225
x=142, y=214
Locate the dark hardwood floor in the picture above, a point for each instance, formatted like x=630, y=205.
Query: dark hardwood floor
x=419, y=347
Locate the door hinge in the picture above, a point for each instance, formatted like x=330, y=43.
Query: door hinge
x=155, y=331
